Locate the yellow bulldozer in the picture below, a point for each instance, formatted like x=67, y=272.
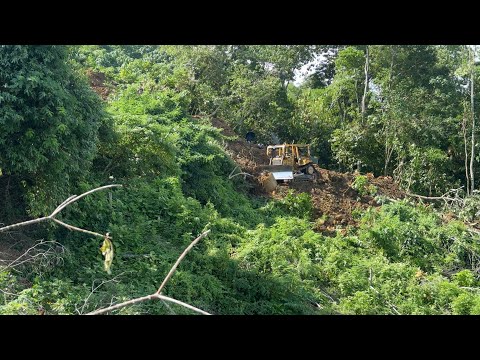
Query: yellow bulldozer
x=291, y=162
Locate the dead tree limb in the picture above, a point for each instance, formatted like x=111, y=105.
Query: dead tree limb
x=365, y=90
x=444, y=198
x=175, y=301
x=74, y=198
x=240, y=173
x=25, y=223
x=392, y=306
x=229, y=176
x=472, y=103
x=470, y=288
x=174, y=267
x=157, y=295
x=74, y=228
x=145, y=298
x=59, y=208
x=473, y=230
x=123, y=304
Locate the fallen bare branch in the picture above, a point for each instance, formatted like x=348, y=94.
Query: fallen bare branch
x=393, y=307
x=174, y=267
x=59, y=208
x=175, y=301
x=25, y=223
x=328, y=296
x=123, y=304
x=236, y=167
x=70, y=198
x=444, y=198
x=51, y=217
x=74, y=228
x=76, y=198
x=475, y=231
x=240, y=173
x=145, y=298
x=8, y=293
x=157, y=295
x=470, y=288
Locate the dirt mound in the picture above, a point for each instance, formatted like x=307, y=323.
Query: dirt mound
x=334, y=199
x=97, y=83
x=248, y=156
x=387, y=187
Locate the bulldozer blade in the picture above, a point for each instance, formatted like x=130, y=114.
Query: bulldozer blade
x=279, y=172
x=283, y=175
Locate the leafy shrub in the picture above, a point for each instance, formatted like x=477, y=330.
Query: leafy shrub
x=463, y=304
x=360, y=183
x=471, y=207
x=464, y=278
x=294, y=204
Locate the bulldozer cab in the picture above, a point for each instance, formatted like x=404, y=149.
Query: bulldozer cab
x=276, y=154
x=289, y=154
x=303, y=154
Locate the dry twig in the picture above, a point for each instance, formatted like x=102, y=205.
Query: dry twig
x=26, y=257
x=95, y=289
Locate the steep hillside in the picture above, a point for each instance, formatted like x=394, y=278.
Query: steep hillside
x=345, y=243
x=334, y=198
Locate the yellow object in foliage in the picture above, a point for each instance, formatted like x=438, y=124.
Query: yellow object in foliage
x=107, y=252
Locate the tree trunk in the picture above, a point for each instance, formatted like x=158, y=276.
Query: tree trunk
x=365, y=89
x=472, y=154
x=342, y=112
x=359, y=105
x=388, y=150
x=464, y=130
x=388, y=156
x=391, y=67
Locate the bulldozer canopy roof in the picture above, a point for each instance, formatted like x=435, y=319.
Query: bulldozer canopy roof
x=283, y=145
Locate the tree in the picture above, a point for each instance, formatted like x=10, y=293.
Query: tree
x=49, y=119
x=324, y=70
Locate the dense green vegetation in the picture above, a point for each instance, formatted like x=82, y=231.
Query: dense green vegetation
x=412, y=120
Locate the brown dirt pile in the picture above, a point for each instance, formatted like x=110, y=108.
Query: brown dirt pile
x=97, y=83
x=333, y=197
